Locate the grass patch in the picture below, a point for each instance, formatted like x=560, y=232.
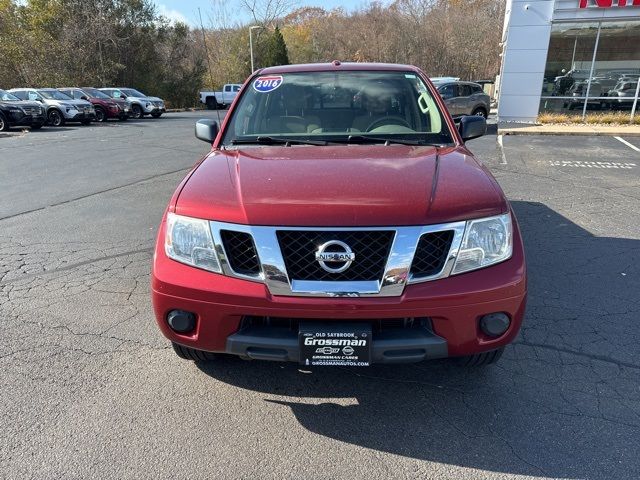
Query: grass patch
x=600, y=118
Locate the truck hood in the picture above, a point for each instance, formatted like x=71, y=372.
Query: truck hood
x=359, y=185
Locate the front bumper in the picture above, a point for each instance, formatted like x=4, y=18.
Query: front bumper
x=78, y=116
x=117, y=112
x=21, y=120
x=452, y=305
x=154, y=109
x=392, y=345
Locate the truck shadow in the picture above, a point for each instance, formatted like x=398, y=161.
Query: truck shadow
x=558, y=404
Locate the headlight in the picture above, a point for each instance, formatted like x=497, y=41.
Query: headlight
x=188, y=240
x=66, y=105
x=486, y=241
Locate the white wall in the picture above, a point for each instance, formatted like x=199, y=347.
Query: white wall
x=524, y=55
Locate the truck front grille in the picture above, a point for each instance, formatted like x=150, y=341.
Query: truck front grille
x=371, y=250
x=431, y=253
x=241, y=252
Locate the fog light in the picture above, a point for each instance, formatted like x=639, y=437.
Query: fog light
x=495, y=324
x=181, y=321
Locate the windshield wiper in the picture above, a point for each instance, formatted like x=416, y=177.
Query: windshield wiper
x=369, y=139
x=276, y=141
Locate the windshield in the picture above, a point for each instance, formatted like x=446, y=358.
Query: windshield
x=54, y=95
x=6, y=96
x=337, y=106
x=95, y=93
x=130, y=92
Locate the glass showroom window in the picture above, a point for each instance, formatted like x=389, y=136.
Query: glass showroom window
x=617, y=66
x=592, y=67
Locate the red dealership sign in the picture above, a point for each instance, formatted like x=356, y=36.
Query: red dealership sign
x=609, y=3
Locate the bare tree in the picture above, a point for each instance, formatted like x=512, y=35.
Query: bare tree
x=267, y=12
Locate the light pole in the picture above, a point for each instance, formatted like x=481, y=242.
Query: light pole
x=251, y=29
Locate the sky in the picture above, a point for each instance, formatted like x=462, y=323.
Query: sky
x=187, y=10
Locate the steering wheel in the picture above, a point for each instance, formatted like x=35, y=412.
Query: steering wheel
x=391, y=119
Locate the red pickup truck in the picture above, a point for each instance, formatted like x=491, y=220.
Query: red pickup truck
x=339, y=219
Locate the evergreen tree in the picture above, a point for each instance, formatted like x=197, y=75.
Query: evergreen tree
x=276, y=50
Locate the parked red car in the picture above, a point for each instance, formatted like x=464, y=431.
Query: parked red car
x=339, y=219
x=105, y=106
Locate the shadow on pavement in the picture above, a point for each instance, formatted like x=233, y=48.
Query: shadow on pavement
x=558, y=409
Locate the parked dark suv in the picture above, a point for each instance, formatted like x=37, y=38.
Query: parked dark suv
x=464, y=98
x=17, y=113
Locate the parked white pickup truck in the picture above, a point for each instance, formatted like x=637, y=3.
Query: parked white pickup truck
x=215, y=100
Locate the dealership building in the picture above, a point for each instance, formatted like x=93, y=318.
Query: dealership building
x=569, y=56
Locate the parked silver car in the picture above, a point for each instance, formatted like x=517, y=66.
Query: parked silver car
x=623, y=94
x=60, y=107
x=464, y=98
x=141, y=105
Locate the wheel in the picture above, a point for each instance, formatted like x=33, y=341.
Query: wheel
x=55, y=118
x=480, y=112
x=101, y=115
x=4, y=125
x=480, y=359
x=156, y=114
x=192, y=354
x=212, y=103
x=136, y=111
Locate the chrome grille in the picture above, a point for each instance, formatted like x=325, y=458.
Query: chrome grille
x=371, y=250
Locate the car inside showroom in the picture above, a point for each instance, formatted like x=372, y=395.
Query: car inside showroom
x=569, y=56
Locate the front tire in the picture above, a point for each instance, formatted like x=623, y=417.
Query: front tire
x=55, y=118
x=212, y=103
x=101, y=115
x=4, y=125
x=480, y=112
x=480, y=359
x=136, y=112
x=192, y=354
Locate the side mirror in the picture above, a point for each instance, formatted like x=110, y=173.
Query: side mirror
x=124, y=97
x=84, y=97
x=472, y=126
x=207, y=130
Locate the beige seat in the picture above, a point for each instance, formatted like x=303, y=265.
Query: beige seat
x=293, y=118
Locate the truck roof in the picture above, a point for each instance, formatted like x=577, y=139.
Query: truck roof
x=336, y=65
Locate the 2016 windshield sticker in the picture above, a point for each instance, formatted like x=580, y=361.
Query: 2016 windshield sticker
x=267, y=84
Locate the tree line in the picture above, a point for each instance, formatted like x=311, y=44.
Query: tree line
x=127, y=42
x=99, y=43
x=458, y=38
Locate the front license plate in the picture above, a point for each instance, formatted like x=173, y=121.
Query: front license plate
x=337, y=344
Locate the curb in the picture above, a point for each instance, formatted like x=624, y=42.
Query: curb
x=635, y=132
x=177, y=110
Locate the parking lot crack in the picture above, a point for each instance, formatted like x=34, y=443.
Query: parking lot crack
x=592, y=356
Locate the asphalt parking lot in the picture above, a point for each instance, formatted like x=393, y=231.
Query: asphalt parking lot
x=90, y=389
